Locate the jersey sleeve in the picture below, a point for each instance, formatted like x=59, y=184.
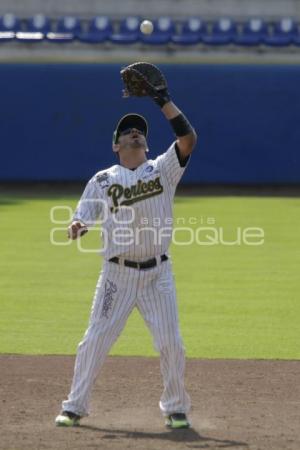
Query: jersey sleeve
x=171, y=166
x=90, y=205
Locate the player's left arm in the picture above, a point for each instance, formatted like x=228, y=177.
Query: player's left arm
x=185, y=133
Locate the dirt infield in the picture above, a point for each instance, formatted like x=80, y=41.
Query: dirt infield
x=236, y=405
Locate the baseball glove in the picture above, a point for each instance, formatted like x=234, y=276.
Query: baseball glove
x=144, y=79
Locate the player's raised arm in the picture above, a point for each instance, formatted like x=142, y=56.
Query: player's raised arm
x=185, y=133
x=144, y=79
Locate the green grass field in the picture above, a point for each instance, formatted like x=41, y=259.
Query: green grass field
x=235, y=301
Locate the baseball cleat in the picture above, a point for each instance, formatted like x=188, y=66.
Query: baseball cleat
x=67, y=419
x=177, y=420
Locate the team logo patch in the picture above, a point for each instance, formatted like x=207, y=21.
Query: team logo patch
x=149, y=170
x=103, y=180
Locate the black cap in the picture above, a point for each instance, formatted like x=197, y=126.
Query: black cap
x=130, y=121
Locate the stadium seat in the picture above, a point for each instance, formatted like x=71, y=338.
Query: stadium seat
x=99, y=29
x=296, y=36
x=283, y=33
x=163, y=30
x=223, y=32
x=253, y=32
x=129, y=31
x=37, y=28
x=67, y=30
x=9, y=25
x=191, y=32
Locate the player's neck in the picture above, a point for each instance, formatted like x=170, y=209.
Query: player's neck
x=132, y=161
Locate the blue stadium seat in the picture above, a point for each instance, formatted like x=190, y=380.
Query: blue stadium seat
x=37, y=28
x=191, y=32
x=39, y=23
x=67, y=30
x=253, y=32
x=163, y=30
x=223, y=32
x=99, y=30
x=296, y=36
x=283, y=33
x=9, y=25
x=129, y=31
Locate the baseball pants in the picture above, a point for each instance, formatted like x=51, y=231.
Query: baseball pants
x=120, y=289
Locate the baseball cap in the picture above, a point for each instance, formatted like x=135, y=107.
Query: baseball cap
x=130, y=121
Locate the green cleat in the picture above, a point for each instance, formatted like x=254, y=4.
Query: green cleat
x=177, y=420
x=67, y=419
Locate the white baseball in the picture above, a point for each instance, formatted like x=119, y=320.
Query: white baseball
x=146, y=27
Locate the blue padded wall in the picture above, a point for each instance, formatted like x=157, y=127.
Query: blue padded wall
x=57, y=120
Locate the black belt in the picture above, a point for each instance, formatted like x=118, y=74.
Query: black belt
x=139, y=265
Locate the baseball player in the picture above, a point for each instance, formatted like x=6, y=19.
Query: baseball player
x=128, y=199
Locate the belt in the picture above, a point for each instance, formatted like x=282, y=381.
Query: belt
x=139, y=265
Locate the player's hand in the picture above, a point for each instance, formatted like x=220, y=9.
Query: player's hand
x=76, y=230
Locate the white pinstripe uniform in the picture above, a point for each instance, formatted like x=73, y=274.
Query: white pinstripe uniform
x=149, y=190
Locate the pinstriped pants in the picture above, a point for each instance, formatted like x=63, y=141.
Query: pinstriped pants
x=118, y=291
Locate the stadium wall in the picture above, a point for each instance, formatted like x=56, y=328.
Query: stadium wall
x=57, y=120
x=175, y=8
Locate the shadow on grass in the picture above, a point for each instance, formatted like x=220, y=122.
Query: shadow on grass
x=62, y=189
x=10, y=201
x=39, y=190
x=238, y=190
x=184, y=435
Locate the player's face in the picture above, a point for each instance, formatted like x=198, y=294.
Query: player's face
x=132, y=138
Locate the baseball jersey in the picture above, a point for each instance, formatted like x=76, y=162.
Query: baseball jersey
x=134, y=208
